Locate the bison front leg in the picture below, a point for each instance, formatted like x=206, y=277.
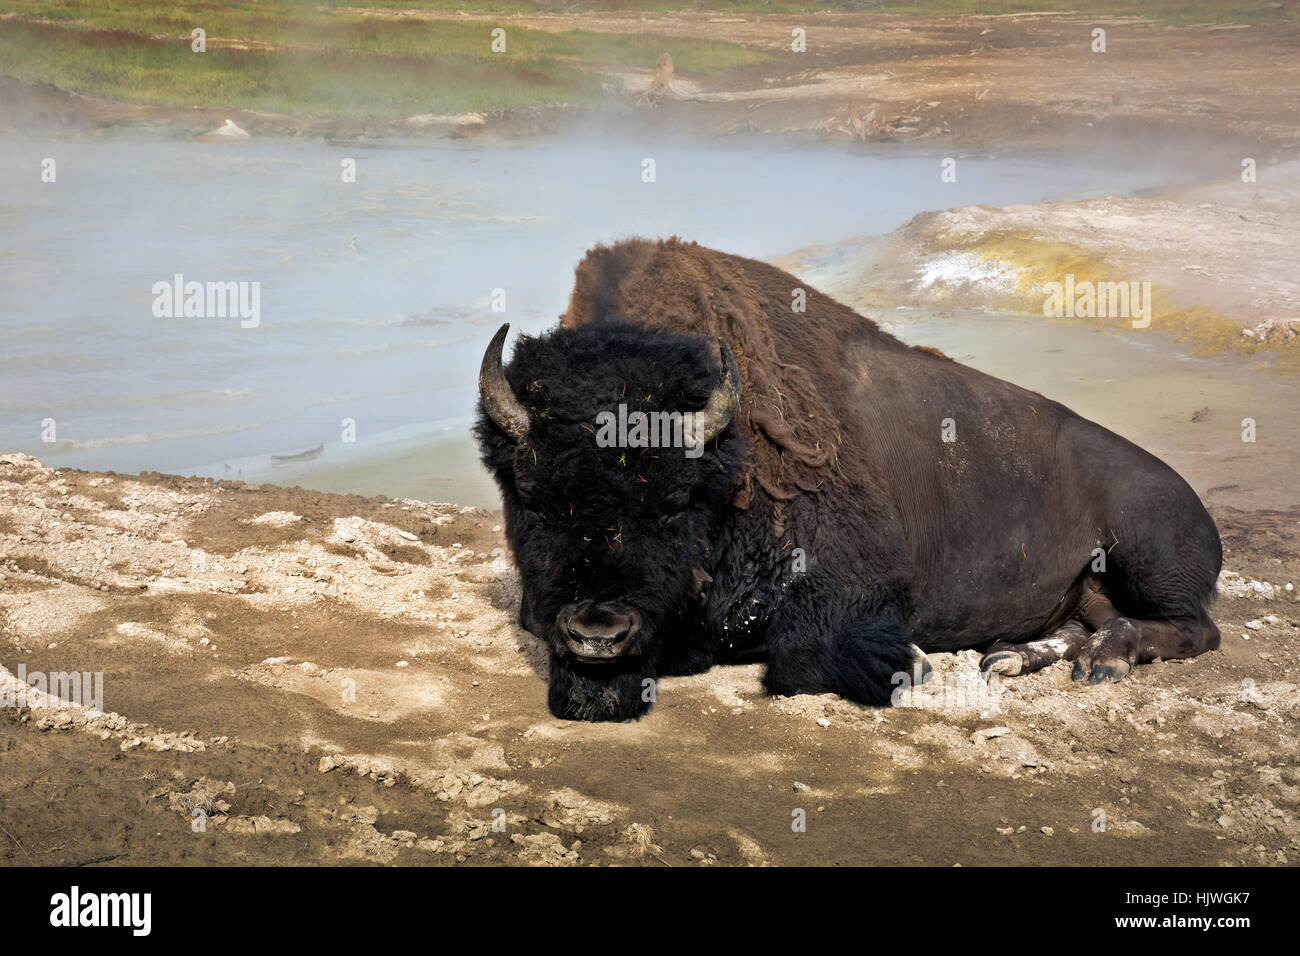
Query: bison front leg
x=863, y=657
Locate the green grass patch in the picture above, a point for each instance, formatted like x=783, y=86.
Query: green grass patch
x=324, y=61
x=305, y=24
x=329, y=83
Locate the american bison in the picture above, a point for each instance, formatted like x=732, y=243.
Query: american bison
x=829, y=499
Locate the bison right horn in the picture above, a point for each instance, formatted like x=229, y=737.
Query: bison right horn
x=721, y=406
x=499, y=399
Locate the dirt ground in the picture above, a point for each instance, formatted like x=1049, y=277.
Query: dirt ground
x=995, y=82
x=981, y=81
x=297, y=677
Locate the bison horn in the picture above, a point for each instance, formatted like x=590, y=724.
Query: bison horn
x=717, y=413
x=499, y=400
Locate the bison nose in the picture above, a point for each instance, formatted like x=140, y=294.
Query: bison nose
x=598, y=632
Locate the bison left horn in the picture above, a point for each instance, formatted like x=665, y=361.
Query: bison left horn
x=718, y=412
x=499, y=400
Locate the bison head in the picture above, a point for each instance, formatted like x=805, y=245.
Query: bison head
x=610, y=445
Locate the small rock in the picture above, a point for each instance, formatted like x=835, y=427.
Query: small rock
x=989, y=733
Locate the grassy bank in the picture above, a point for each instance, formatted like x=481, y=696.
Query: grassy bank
x=303, y=58
x=347, y=58
x=326, y=83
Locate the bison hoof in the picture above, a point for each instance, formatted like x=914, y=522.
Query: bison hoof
x=1110, y=653
x=1101, y=671
x=1006, y=663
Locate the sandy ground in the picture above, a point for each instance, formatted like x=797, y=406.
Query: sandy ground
x=311, y=678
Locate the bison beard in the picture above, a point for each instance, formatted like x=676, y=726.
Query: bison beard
x=833, y=526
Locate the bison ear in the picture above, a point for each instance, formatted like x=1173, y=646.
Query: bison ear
x=717, y=413
x=499, y=399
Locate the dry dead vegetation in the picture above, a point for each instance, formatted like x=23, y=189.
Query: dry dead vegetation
x=333, y=679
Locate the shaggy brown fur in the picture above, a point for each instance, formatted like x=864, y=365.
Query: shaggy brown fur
x=687, y=288
x=930, y=350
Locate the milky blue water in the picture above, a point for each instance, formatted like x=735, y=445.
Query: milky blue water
x=375, y=295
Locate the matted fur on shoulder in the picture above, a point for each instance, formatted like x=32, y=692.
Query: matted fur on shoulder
x=792, y=428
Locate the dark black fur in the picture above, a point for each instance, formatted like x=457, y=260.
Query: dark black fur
x=610, y=523
x=907, y=541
